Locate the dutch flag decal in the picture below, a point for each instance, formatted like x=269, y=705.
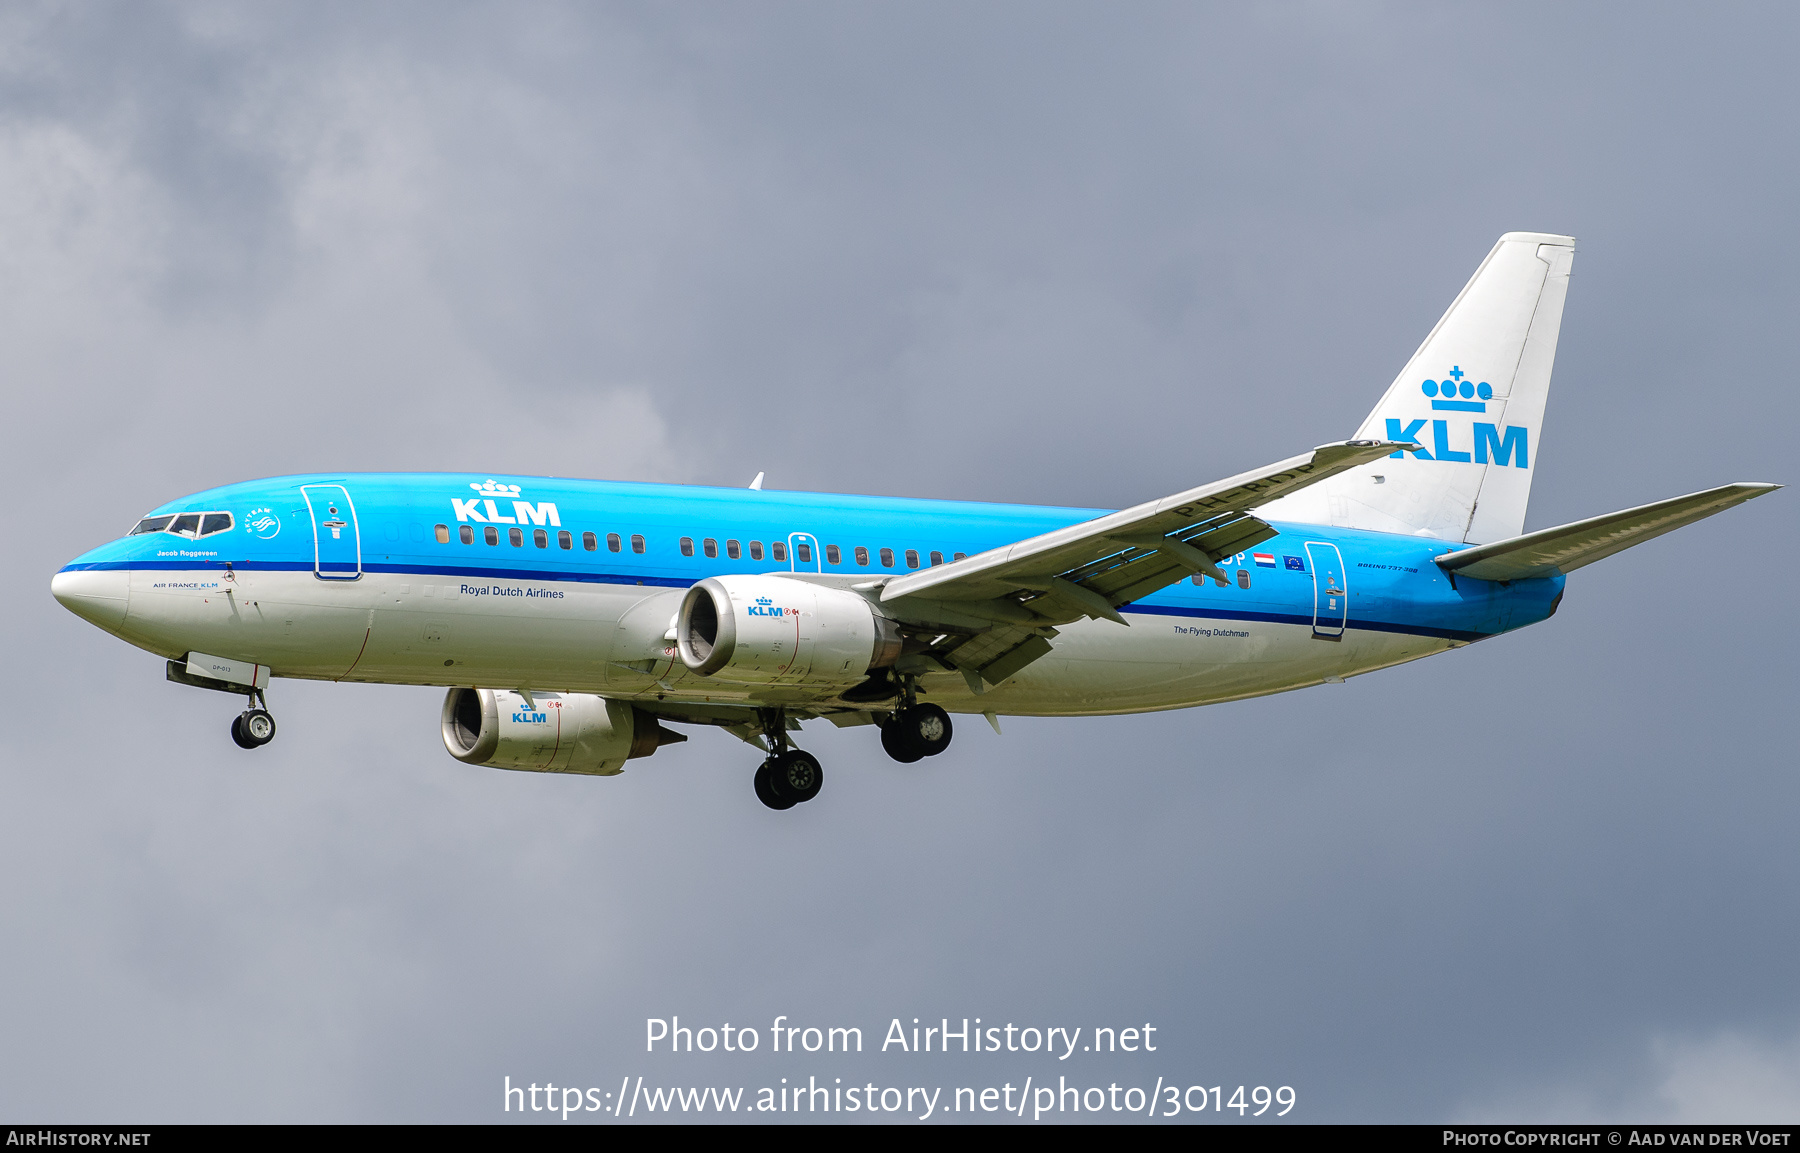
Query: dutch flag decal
x=1265, y=559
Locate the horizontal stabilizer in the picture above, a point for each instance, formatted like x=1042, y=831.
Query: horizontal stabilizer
x=1567, y=547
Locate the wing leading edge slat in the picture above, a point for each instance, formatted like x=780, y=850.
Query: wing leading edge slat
x=1006, y=570
x=1090, y=569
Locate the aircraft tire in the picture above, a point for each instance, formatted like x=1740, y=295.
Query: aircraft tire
x=913, y=734
x=258, y=728
x=930, y=727
x=765, y=788
x=237, y=733
x=898, y=742
x=796, y=776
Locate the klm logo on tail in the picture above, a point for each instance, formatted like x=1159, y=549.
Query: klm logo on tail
x=1487, y=443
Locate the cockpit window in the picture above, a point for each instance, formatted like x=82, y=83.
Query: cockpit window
x=188, y=524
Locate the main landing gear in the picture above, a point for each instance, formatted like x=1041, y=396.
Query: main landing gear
x=915, y=732
x=254, y=727
x=790, y=776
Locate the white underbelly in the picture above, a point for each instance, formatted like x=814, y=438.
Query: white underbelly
x=567, y=636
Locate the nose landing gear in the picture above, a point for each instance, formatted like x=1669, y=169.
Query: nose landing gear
x=254, y=727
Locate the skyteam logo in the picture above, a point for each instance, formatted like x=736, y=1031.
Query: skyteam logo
x=263, y=522
x=1488, y=443
x=764, y=607
x=485, y=509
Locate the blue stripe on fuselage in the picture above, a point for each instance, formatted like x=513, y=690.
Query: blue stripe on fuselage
x=1393, y=585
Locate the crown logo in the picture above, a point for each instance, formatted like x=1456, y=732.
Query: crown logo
x=493, y=489
x=764, y=601
x=1453, y=386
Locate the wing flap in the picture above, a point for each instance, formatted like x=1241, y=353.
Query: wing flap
x=1568, y=547
x=1187, y=516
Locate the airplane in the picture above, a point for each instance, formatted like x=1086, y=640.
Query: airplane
x=573, y=621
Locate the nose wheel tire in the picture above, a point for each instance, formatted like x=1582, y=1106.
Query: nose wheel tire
x=916, y=733
x=788, y=779
x=253, y=729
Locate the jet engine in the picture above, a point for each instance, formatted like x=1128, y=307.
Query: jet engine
x=552, y=733
x=771, y=630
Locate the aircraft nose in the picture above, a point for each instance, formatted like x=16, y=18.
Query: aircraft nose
x=96, y=596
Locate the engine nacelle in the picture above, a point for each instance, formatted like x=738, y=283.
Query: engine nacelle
x=563, y=733
x=771, y=630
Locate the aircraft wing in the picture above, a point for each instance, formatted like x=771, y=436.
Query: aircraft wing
x=1568, y=547
x=1011, y=595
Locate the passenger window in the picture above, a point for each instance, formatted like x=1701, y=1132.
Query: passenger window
x=779, y=548
x=687, y=546
x=756, y=550
x=711, y=546
x=637, y=543
x=187, y=525
x=564, y=540
x=1243, y=578
x=887, y=558
x=804, y=552
x=912, y=558
x=732, y=550
x=832, y=555
x=1221, y=582
x=516, y=536
x=1197, y=579
x=937, y=558
x=215, y=522
x=862, y=556
x=612, y=541
x=540, y=538
x=958, y=556
x=492, y=534
x=443, y=534
x=466, y=532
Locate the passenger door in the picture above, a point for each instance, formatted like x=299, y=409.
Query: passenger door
x=806, y=542
x=1331, y=596
x=337, y=539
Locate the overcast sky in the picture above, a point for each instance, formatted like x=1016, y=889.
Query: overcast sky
x=1069, y=254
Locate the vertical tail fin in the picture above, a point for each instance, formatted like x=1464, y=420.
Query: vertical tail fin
x=1472, y=397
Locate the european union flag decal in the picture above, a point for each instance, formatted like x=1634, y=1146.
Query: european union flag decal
x=1295, y=563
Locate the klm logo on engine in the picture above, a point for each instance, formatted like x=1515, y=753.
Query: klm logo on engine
x=531, y=718
x=1487, y=443
x=764, y=607
x=484, y=508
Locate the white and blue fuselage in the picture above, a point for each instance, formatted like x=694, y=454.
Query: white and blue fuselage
x=570, y=618
x=417, y=579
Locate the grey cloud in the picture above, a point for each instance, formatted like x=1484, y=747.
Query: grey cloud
x=1045, y=253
